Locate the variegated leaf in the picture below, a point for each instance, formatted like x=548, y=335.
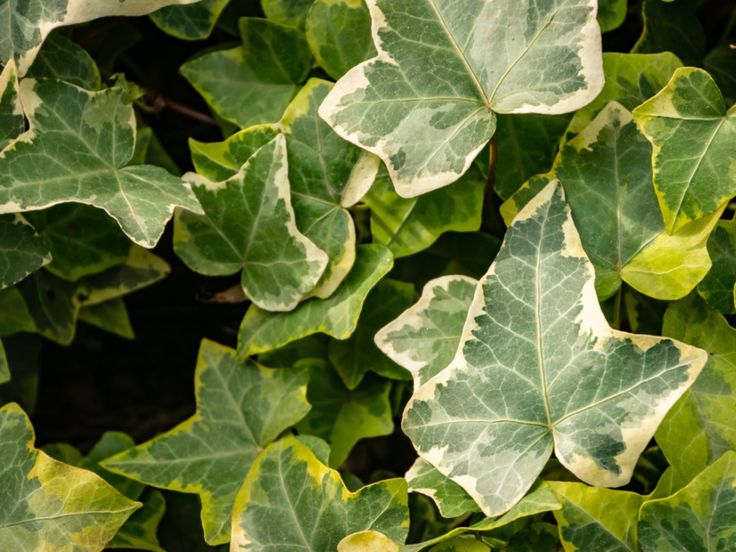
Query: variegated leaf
x=291, y=500
x=240, y=409
x=563, y=380
x=694, y=139
x=27, y=23
x=718, y=287
x=249, y=225
x=426, y=103
x=452, y=501
x=48, y=505
x=287, y=12
x=76, y=150
x=22, y=250
x=11, y=111
x=190, y=22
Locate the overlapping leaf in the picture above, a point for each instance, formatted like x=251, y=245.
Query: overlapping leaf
x=22, y=251
x=563, y=379
x=290, y=499
x=426, y=103
x=11, y=111
x=191, y=21
x=718, y=287
x=249, y=225
x=76, y=151
x=240, y=409
x=694, y=138
x=46, y=504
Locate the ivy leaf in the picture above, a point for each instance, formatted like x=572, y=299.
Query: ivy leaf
x=701, y=516
x=339, y=34
x=596, y=519
x=287, y=12
x=63, y=59
x=29, y=22
x=4, y=368
x=721, y=64
x=110, y=316
x=344, y=416
x=47, y=504
x=700, y=427
x=22, y=251
x=252, y=83
x=262, y=331
x=76, y=151
x=566, y=381
x=693, y=137
x=190, y=22
x=427, y=120
x=719, y=285
x=249, y=225
x=611, y=14
x=11, y=111
x=672, y=27
x=288, y=484
x=139, y=531
x=240, y=409
x=452, y=501
x=407, y=226
x=424, y=338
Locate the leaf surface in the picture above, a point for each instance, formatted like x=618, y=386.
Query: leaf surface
x=22, y=250
x=718, y=287
x=565, y=381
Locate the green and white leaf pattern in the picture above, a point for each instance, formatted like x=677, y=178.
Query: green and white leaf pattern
x=191, y=21
x=11, y=110
x=693, y=135
x=22, y=250
x=426, y=103
x=564, y=380
x=48, y=505
x=452, y=501
x=76, y=150
x=240, y=409
x=288, y=484
x=249, y=225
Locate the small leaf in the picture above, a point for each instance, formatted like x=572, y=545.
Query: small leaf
x=699, y=517
x=46, y=504
x=611, y=14
x=139, y=531
x=240, y=409
x=718, y=286
x=287, y=12
x=62, y=59
x=249, y=225
x=672, y=27
x=190, y=22
x=337, y=316
x=287, y=485
x=426, y=103
x=22, y=250
x=596, y=519
x=407, y=226
x=693, y=137
x=565, y=380
x=110, y=316
x=76, y=151
x=452, y=501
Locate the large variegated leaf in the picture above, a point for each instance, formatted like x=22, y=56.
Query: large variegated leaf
x=291, y=500
x=426, y=103
x=701, y=517
x=719, y=285
x=424, y=338
x=694, y=139
x=252, y=83
x=27, y=23
x=47, y=505
x=249, y=225
x=701, y=426
x=563, y=380
x=607, y=177
x=596, y=519
x=76, y=150
x=240, y=409
x=22, y=250
x=337, y=316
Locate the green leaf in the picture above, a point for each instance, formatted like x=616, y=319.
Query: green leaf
x=596, y=519
x=11, y=111
x=424, y=338
x=565, y=380
x=339, y=34
x=139, y=531
x=22, y=251
x=452, y=501
x=719, y=285
x=611, y=14
x=62, y=59
x=672, y=27
x=358, y=354
x=95, y=133
x=344, y=416
x=253, y=83
x=721, y=64
x=699, y=517
x=190, y=22
x=407, y=226
x=631, y=79
x=426, y=104
x=110, y=316
x=47, y=504
x=240, y=409
x=249, y=225
x=337, y=316
x=4, y=368
x=14, y=314
x=287, y=12
x=29, y=22
x=701, y=427
x=693, y=137
x=287, y=486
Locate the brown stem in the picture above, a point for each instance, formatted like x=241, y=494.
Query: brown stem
x=492, y=163
x=158, y=102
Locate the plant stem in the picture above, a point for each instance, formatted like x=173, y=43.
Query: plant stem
x=492, y=163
